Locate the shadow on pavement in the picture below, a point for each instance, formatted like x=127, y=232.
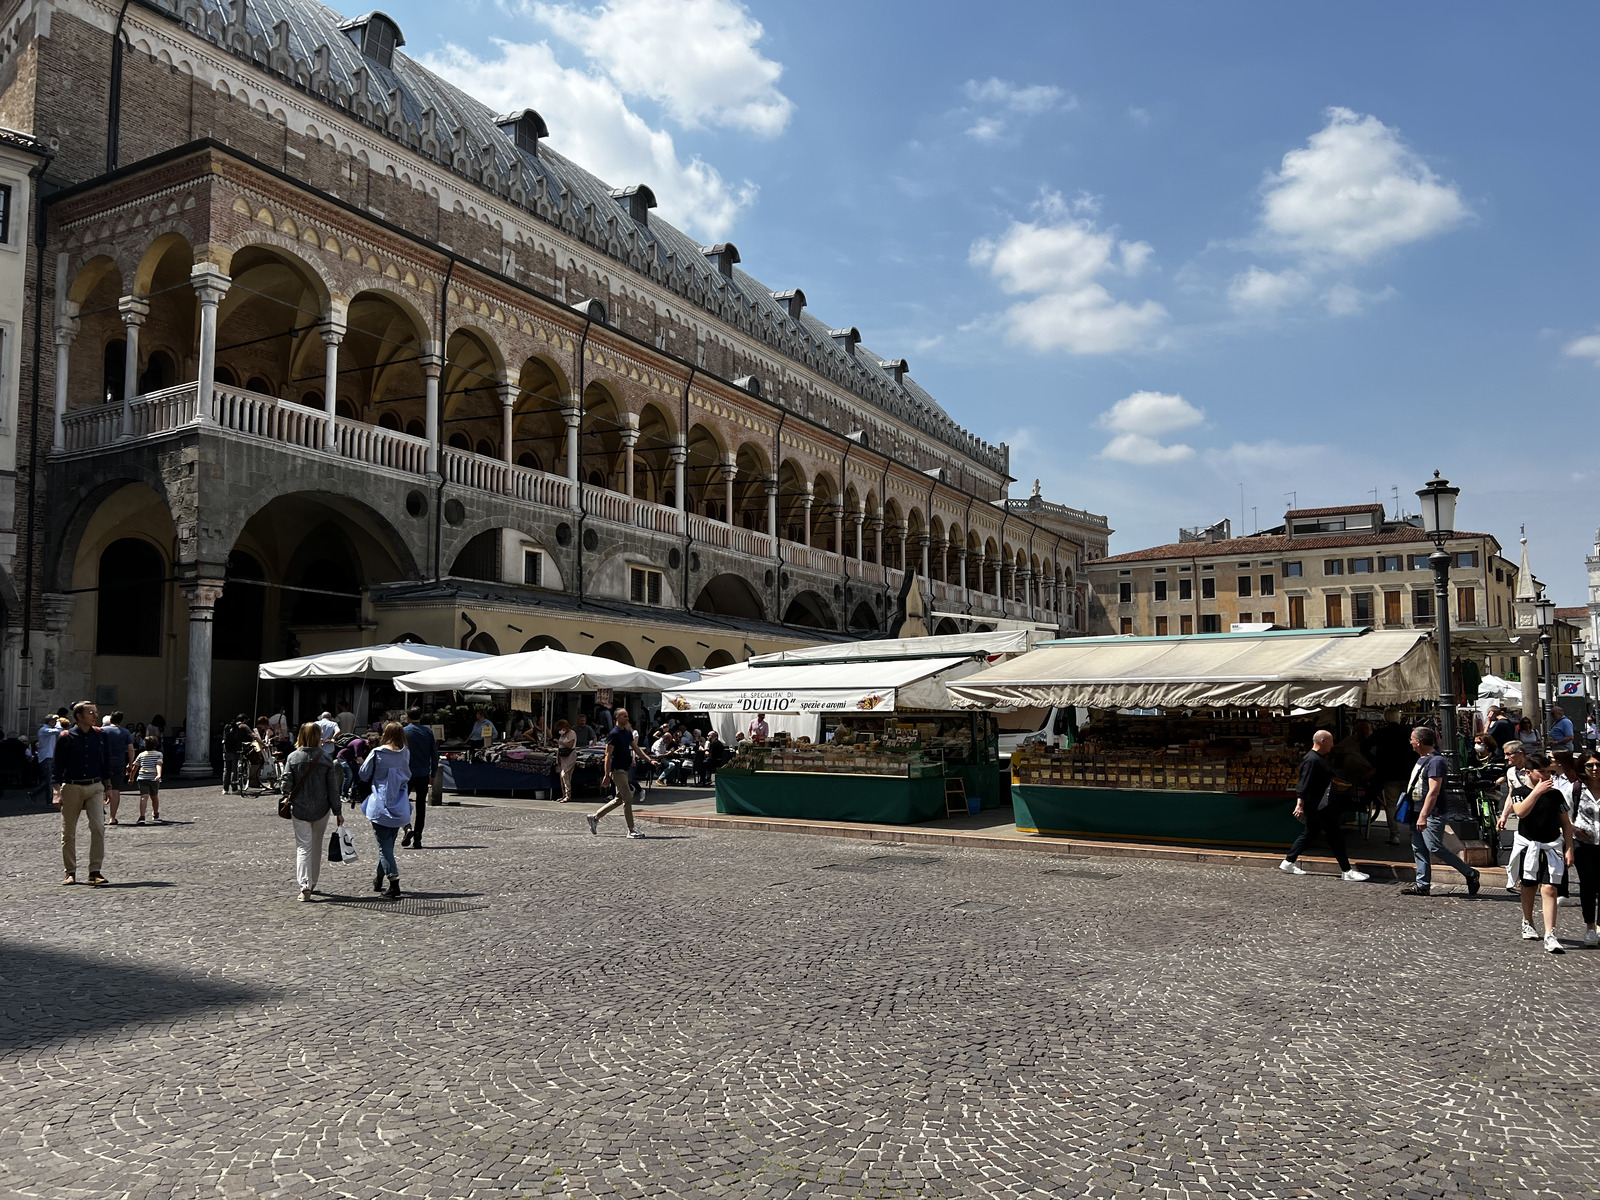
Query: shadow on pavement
x=52, y=995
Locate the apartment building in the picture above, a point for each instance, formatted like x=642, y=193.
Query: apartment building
x=1324, y=568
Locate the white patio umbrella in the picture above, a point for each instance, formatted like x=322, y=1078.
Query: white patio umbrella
x=543, y=670
x=363, y=663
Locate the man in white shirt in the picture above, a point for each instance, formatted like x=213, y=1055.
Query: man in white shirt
x=330, y=730
x=759, y=730
x=48, y=732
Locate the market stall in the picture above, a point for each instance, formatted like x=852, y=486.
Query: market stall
x=863, y=732
x=1196, y=738
x=530, y=678
x=362, y=666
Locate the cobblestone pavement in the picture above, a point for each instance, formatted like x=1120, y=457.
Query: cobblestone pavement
x=703, y=1013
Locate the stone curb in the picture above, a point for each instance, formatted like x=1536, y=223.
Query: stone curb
x=910, y=835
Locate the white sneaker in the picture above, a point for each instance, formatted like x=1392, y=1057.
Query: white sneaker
x=594, y=824
x=1513, y=885
x=634, y=833
x=1566, y=902
x=1529, y=933
x=1355, y=876
x=1292, y=868
x=1591, y=940
x=1553, y=944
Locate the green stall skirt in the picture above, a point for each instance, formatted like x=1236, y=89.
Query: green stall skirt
x=885, y=800
x=1218, y=818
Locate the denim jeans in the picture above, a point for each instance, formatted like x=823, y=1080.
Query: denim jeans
x=385, y=835
x=349, y=777
x=1427, y=843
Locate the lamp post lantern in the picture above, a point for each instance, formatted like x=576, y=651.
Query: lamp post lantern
x=1544, y=618
x=1438, y=522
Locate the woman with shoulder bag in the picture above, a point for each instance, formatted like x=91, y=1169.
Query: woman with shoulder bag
x=1542, y=849
x=311, y=791
x=1586, y=847
x=387, y=769
x=566, y=757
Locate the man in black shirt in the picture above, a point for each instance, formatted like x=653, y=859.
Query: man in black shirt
x=1502, y=729
x=1319, y=806
x=82, y=765
x=1389, y=751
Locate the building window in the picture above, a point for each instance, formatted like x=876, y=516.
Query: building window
x=1124, y=593
x=1361, y=566
x=5, y=214
x=1391, y=608
x=379, y=39
x=1416, y=562
x=1208, y=588
x=1422, y=606
x=1185, y=589
x=1333, y=612
x=1390, y=562
x=533, y=568
x=1161, y=627
x=1244, y=585
x=1361, y=608
x=1127, y=624
x=1291, y=570
x=645, y=586
x=1467, y=558
x=1210, y=623
x=1161, y=590
x=1333, y=566
x=1297, y=612
x=1246, y=618
x=1467, y=605
x=1185, y=625
x=1268, y=585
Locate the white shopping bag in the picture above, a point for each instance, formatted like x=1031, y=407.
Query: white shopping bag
x=347, y=844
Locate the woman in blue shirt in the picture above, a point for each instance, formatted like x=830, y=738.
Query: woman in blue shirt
x=388, y=769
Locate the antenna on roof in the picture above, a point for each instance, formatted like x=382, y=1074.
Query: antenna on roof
x=1399, y=513
x=1294, y=499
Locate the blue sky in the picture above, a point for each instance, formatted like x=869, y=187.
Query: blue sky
x=1162, y=250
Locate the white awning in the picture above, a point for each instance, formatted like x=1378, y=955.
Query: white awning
x=950, y=645
x=366, y=662
x=1285, y=669
x=543, y=670
x=824, y=687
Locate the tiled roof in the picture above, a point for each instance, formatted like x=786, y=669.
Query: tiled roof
x=1578, y=612
x=1339, y=511
x=1254, y=547
x=466, y=127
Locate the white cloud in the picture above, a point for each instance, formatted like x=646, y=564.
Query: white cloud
x=1587, y=346
x=986, y=129
x=1151, y=414
x=1262, y=456
x=1260, y=290
x=1136, y=448
x=1356, y=191
x=1347, y=300
x=1062, y=258
x=698, y=59
x=1139, y=420
x=591, y=123
x=1032, y=99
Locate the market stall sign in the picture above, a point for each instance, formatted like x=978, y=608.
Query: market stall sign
x=781, y=701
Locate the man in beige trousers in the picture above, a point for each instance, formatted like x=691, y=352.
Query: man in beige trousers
x=81, y=766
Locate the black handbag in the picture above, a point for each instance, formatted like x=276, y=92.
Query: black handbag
x=335, y=850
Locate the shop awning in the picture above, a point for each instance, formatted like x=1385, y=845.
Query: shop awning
x=1282, y=669
x=366, y=662
x=949, y=645
x=543, y=670
x=824, y=687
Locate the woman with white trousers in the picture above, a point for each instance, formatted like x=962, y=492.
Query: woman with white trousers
x=312, y=783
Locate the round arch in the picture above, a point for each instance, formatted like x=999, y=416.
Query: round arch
x=539, y=428
x=810, y=611
x=542, y=642
x=719, y=658
x=730, y=595
x=862, y=617
x=615, y=651
x=600, y=441
x=470, y=387
x=669, y=660
x=703, y=473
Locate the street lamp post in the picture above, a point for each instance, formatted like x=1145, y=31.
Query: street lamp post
x=1439, y=523
x=1544, y=616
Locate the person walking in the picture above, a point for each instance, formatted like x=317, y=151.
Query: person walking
x=1429, y=802
x=312, y=784
x=80, y=766
x=621, y=751
x=147, y=778
x=1319, y=804
x=1389, y=751
x=1542, y=850
x=566, y=757
x=1591, y=733
x=423, y=749
x=1560, y=730
x=1586, y=847
x=388, y=806
x=329, y=728
x=119, y=745
x=1517, y=784
x=234, y=738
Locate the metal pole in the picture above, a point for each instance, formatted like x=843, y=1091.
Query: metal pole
x=1549, y=686
x=1440, y=562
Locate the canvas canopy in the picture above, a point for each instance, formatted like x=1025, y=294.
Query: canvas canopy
x=1283, y=669
x=366, y=662
x=790, y=689
x=544, y=670
x=953, y=645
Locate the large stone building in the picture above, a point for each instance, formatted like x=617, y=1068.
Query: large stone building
x=1323, y=568
x=331, y=352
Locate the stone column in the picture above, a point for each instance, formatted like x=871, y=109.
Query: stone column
x=730, y=472
x=1027, y=592
x=860, y=519
x=772, y=513
x=630, y=439
x=877, y=541
x=961, y=564
x=65, y=332
x=134, y=312
x=508, y=419
x=432, y=365
x=806, y=502
x=925, y=544
x=573, y=415
x=838, y=525
x=210, y=286
x=203, y=594
x=904, y=532
x=332, y=335
x=680, y=457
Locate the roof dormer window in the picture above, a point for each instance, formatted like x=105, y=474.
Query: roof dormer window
x=525, y=128
x=378, y=37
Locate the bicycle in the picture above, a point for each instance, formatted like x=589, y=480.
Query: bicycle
x=1483, y=804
